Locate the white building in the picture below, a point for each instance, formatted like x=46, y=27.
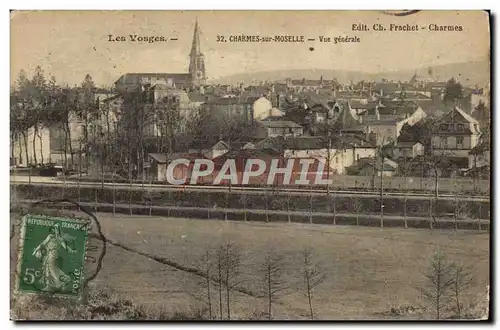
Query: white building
x=32, y=148
x=340, y=157
x=262, y=108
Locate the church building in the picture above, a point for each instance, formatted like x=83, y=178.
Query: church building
x=194, y=78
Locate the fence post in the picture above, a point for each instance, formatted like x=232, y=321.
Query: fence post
x=310, y=205
x=95, y=198
x=114, y=194
x=244, y=205
x=209, y=205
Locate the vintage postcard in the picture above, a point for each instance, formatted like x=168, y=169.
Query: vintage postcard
x=250, y=165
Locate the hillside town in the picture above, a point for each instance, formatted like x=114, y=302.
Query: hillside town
x=421, y=127
x=160, y=173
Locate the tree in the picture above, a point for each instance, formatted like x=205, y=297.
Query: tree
x=206, y=267
x=358, y=207
x=228, y=260
x=220, y=279
x=439, y=283
x=63, y=101
x=453, y=92
x=405, y=169
x=313, y=277
x=232, y=262
x=435, y=163
x=462, y=280
x=381, y=153
x=38, y=81
x=335, y=146
x=273, y=279
x=87, y=111
x=22, y=81
x=40, y=94
x=26, y=101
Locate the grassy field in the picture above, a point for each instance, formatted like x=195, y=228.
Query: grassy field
x=369, y=270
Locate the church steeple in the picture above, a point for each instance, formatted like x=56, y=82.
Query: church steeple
x=196, y=59
x=195, y=47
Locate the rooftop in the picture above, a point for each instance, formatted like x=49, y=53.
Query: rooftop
x=279, y=124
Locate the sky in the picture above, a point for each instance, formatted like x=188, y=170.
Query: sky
x=71, y=44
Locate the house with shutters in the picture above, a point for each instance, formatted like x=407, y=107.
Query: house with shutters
x=455, y=134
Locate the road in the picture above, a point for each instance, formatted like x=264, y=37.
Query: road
x=51, y=181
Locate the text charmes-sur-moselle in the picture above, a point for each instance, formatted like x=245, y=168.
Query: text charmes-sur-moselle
x=407, y=27
x=243, y=38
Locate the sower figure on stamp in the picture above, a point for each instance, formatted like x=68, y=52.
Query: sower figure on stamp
x=52, y=276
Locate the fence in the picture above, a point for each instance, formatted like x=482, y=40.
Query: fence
x=266, y=205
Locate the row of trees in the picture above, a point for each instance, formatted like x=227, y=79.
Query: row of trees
x=222, y=276
x=39, y=103
x=116, y=136
x=444, y=287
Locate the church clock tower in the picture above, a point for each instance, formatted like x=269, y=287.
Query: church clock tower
x=196, y=60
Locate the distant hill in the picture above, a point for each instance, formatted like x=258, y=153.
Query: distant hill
x=468, y=73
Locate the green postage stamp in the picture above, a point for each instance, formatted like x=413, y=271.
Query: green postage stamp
x=51, y=256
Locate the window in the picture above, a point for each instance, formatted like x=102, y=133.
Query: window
x=443, y=127
x=460, y=128
x=460, y=142
x=444, y=142
x=357, y=157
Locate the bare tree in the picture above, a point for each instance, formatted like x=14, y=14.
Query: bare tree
x=273, y=279
x=227, y=272
x=335, y=146
x=436, y=161
x=206, y=267
x=439, y=283
x=313, y=277
x=358, y=207
x=405, y=170
x=220, y=260
x=462, y=279
x=232, y=261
